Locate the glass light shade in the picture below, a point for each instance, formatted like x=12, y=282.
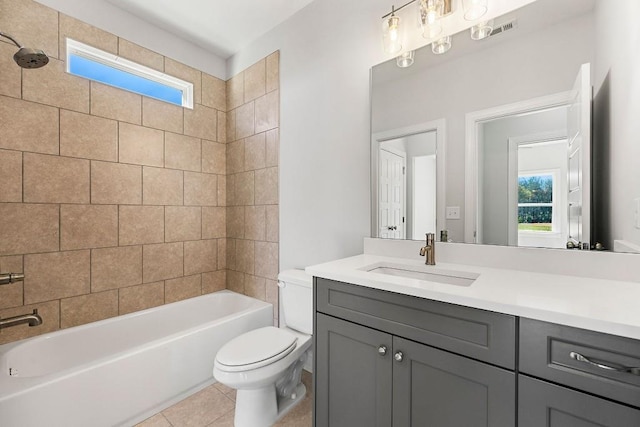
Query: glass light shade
x=482, y=30
x=430, y=13
x=391, y=39
x=474, y=9
x=405, y=59
x=441, y=46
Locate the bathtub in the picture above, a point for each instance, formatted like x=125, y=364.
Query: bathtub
x=119, y=371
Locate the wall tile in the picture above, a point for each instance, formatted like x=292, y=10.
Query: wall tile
x=273, y=71
x=116, y=184
x=200, y=256
x=85, y=33
x=222, y=253
x=267, y=111
x=50, y=313
x=235, y=156
x=11, y=76
x=88, y=308
x=20, y=18
x=162, y=186
x=141, y=55
x=235, y=281
x=214, y=222
x=244, y=188
x=214, y=92
x=235, y=91
x=10, y=176
x=255, y=81
x=231, y=264
x=53, y=179
x=245, y=256
x=88, y=226
x=272, y=226
x=182, y=223
x=113, y=268
x=267, y=186
x=56, y=275
x=201, y=122
x=141, y=297
x=140, y=145
x=222, y=190
x=183, y=152
x=88, y=137
x=245, y=120
x=182, y=288
x=11, y=295
x=222, y=127
x=214, y=157
x=231, y=126
x=163, y=261
x=117, y=104
x=28, y=126
x=52, y=85
x=141, y=224
x=255, y=223
x=273, y=148
x=162, y=115
x=184, y=72
x=200, y=189
x=255, y=152
x=29, y=228
x=214, y=281
x=235, y=222
x=255, y=287
x=267, y=260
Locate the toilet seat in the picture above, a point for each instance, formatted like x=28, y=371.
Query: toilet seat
x=255, y=349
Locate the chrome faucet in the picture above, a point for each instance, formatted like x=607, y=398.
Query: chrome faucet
x=33, y=319
x=429, y=250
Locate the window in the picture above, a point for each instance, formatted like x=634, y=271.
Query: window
x=95, y=64
x=536, y=205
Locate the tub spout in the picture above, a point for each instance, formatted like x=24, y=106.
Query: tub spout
x=33, y=319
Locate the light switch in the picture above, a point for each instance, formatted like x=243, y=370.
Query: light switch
x=453, y=212
x=637, y=213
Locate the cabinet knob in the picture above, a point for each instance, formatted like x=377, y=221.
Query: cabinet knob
x=382, y=350
x=398, y=356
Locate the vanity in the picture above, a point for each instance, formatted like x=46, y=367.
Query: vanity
x=494, y=348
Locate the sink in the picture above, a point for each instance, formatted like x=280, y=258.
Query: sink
x=426, y=273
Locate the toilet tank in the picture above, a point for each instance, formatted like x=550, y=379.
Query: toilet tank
x=296, y=298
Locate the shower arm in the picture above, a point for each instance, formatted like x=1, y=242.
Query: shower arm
x=10, y=37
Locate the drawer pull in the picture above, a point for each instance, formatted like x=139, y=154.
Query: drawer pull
x=628, y=370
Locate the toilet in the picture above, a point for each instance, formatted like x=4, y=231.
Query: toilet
x=265, y=365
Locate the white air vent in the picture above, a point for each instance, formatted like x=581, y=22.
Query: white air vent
x=501, y=28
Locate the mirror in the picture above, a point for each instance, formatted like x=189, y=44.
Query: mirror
x=535, y=57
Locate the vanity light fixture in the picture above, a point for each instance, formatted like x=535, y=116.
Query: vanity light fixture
x=441, y=45
x=391, y=32
x=482, y=30
x=474, y=9
x=430, y=13
x=405, y=59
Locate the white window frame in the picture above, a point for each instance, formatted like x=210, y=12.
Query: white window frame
x=555, y=217
x=114, y=61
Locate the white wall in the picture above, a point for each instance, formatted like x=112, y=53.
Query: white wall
x=106, y=16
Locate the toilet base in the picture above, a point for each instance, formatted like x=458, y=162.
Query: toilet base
x=262, y=407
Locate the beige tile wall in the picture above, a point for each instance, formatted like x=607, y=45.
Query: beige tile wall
x=111, y=202
x=252, y=180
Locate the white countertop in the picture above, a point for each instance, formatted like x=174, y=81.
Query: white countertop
x=607, y=306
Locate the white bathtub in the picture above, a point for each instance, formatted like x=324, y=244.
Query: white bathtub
x=119, y=371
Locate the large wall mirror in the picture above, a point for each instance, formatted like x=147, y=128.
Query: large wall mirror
x=525, y=138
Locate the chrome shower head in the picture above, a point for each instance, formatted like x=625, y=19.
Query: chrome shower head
x=27, y=57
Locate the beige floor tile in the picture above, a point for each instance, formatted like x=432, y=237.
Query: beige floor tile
x=301, y=415
x=224, y=421
x=158, y=420
x=200, y=409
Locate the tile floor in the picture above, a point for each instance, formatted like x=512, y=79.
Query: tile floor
x=214, y=407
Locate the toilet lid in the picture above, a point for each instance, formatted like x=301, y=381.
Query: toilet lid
x=256, y=348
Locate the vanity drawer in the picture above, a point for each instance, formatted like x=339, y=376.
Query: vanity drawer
x=553, y=352
x=479, y=334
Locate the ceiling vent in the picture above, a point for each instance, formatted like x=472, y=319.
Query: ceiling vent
x=511, y=25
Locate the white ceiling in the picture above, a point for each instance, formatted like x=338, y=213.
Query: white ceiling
x=222, y=27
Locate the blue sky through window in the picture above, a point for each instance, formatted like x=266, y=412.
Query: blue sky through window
x=97, y=71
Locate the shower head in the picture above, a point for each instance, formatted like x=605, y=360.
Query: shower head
x=27, y=57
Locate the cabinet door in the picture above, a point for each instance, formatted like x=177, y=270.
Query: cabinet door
x=435, y=388
x=353, y=378
x=542, y=404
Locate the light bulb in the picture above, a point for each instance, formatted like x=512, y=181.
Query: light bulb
x=474, y=9
x=391, y=37
x=441, y=46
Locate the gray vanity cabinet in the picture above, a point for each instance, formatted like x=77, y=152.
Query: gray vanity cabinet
x=376, y=364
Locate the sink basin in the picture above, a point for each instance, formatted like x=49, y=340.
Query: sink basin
x=426, y=273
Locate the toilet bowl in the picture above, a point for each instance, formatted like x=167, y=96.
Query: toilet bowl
x=265, y=365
